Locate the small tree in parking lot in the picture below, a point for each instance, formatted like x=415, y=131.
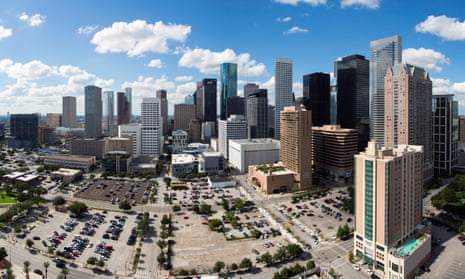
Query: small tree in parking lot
x=219, y=265
x=59, y=200
x=78, y=208
x=29, y=243
x=124, y=205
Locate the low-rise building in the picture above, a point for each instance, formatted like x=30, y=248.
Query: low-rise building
x=246, y=152
x=180, y=140
x=66, y=175
x=182, y=164
x=211, y=163
x=117, y=162
x=271, y=179
x=70, y=161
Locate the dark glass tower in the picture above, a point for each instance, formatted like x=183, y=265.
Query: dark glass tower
x=353, y=95
x=122, y=109
x=257, y=114
x=317, y=97
x=228, y=73
x=24, y=129
x=205, y=100
x=93, y=111
x=235, y=105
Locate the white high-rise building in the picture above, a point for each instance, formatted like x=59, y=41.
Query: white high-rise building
x=283, y=90
x=235, y=127
x=132, y=130
x=151, y=127
x=69, y=112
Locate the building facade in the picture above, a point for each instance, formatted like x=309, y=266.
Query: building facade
x=296, y=144
x=228, y=73
x=389, y=233
x=122, y=109
x=161, y=94
x=180, y=141
x=353, y=96
x=407, y=109
x=88, y=147
x=151, y=128
x=69, y=112
x=333, y=151
x=53, y=120
x=93, y=111
x=235, y=105
x=206, y=100
x=132, y=131
x=183, y=114
x=385, y=53
x=235, y=127
x=283, y=90
x=257, y=114
x=211, y=163
x=109, y=128
x=247, y=152
x=445, y=134
x=24, y=130
x=316, y=97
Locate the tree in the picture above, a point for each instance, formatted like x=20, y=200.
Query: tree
x=46, y=265
x=226, y=205
x=176, y=208
x=40, y=168
x=29, y=243
x=124, y=205
x=205, y=208
x=65, y=272
x=9, y=273
x=219, y=265
x=59, y=200
x=234, y=267
x=27, y=268
x=266, y=258
x=279, y=255
x=161, y=259
x=161, y=243
x=310, y=265
x=91, y=260
x=78, y=208
x=215, y=224
x=246, y=264
x=3, y=253
x=351, y=257
x=294, y=250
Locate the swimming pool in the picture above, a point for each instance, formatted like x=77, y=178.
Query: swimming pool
x=408, y=247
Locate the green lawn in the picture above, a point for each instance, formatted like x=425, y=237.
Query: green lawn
x=6, y=199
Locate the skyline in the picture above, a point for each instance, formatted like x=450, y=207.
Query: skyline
x=52, y=49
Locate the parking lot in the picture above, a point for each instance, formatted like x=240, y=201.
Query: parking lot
x=84, y=238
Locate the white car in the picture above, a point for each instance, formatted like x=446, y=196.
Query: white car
x=369, y=271
x=356, y=267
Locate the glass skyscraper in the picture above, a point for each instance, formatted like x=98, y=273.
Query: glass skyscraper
x=228, y=80
x=385, y=53
x=283, y=90
x=108, y=113
x=93, y=111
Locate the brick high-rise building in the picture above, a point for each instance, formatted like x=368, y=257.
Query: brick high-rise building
x=69, y=112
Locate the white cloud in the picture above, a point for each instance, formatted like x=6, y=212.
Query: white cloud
x=183, y=78
x=208, y=62
x=85, y=30
x=137, y=37
x=370, y=4
x=296, y=29
x=442, y=26
x=285, y=19
x=155, y=63
x=425, y=58
x=33, y=20
x=32, y=70
x=295, y=2
x=5, y=32
x=444, y=86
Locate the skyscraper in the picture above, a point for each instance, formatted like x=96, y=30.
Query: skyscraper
x=189, y=99
x=69, y=112
x=353, y=95
x=128, y=95
x=93, y=111
x=385, y=53
x=235, y=105
x=108, y=113
x=183, y=114
x=235, y=127
x=151, y=127
x=257, y=113
x=296, y=144
x=317, y=97
x=122, y=109
x=24, y=130
x=249, y=88
x=206, y=100
x=161, y=94
x=228, y=73
x=407, y=110
x=282, y=91
x=389, y=208
x=445, y=134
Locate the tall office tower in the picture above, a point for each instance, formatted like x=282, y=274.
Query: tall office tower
x=235, y=127
x=333, y=101
x=108, y=114
x=133, y=131
x=388, y=211
x=283, y=90
x=317, y=97
x=257, y=113
x=271, y=122
x=228, y=73
x=69, y=112
x=189, y=99
x=93, y=111
x=235, y=105
x=407, y=111
x=296, y=144
x=385, y=53
x=151, y=127
x=205, y=101
x=53, y=120
x=183, y=114
x=445, y=134
x=353, y=95
x=461, y=129
x=123, y=114
x=161, y=94
x=24, y=130
x=249, y=88
x=128, y=95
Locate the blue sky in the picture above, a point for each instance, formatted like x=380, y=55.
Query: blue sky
x=53, y=48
